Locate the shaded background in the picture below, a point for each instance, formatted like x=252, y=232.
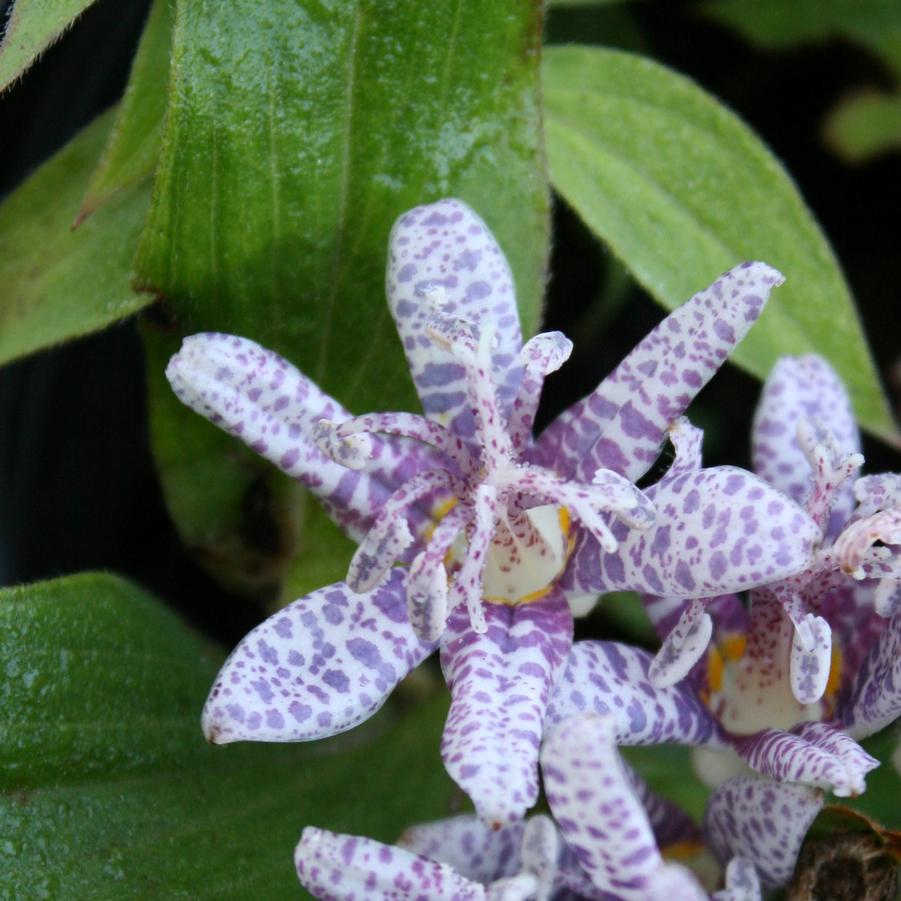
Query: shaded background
x=77, y=482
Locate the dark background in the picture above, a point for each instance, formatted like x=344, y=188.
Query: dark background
x=77, y=483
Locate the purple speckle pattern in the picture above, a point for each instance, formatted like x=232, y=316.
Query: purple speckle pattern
x=318, y=667
x=815, y=754
x=257, y=396
x=671, y=825
x=762, y=822
x=500, y=682
x=470, y=846
x=623, y=424
x=602, y=820
x=875, y=699
x=798, y=389
x=336, y=867
x=611, y=679
x=444, y=254
x=718, y=530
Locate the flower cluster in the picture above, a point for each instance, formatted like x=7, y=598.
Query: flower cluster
x=481, y=541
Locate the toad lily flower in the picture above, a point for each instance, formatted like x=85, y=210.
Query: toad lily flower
x=493, y=531
x=761, y=820
x=604, y=847
x=787, y=679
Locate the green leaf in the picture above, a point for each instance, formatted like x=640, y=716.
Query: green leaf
x=865, y=125
x=133, y=146
x=774, y=23
x=109, y=790
x=59, y=284
x=295, y=136
x=32, y=27
x=682, y=190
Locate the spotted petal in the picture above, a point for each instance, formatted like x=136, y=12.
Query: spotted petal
x=607, y=678
x=443, y=254
x=602, y=820
x=622, y=425
x=798, y=389
x=257, y=396
x=470, y=846
x=718, y=530
x=814, y=754
x=670, y=823
x=875, y=701
x=336, y=867
x=762, y=821
x=318, y=667
x=500, y=681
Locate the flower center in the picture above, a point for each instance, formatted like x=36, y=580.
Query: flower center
x=748, y=686
x=515, y=516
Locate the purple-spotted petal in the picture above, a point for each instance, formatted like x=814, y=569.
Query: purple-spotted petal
x=742, y=883
x=499, y=683
x=762, y=821
x=336, y=867
x=444, y=254
x=623, y=424
x=602, y=820
x=471, y=847
x=611, y=679
x=802, y=388
x=255, y=395
x=320, y=666
x=541, y=851
x=717, y=530
x=670, y=823
x=875, y=701
x=682, y=647
x=814, y=754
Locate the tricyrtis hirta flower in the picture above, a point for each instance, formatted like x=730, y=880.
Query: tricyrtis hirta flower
x=601, y=846
x=493, y=531
x=790, y=713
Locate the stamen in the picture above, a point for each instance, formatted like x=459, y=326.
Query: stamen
x=683, y=646
x=830, y=469
x=418, y=428
x=427, y=582
x=540, y=356
x=390, y=535
x=811, y=651
x=467, y=585
x=611, y=493
x=475, y=357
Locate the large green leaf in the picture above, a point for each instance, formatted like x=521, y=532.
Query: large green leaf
x=109, y=790
x=682, y=190
x=133, y=146
x=58, y=284
x=32, y=27
x=295, y=135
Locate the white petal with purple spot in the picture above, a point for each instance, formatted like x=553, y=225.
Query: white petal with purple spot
x=318, y=667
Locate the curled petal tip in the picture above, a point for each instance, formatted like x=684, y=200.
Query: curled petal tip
x=351, y=451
